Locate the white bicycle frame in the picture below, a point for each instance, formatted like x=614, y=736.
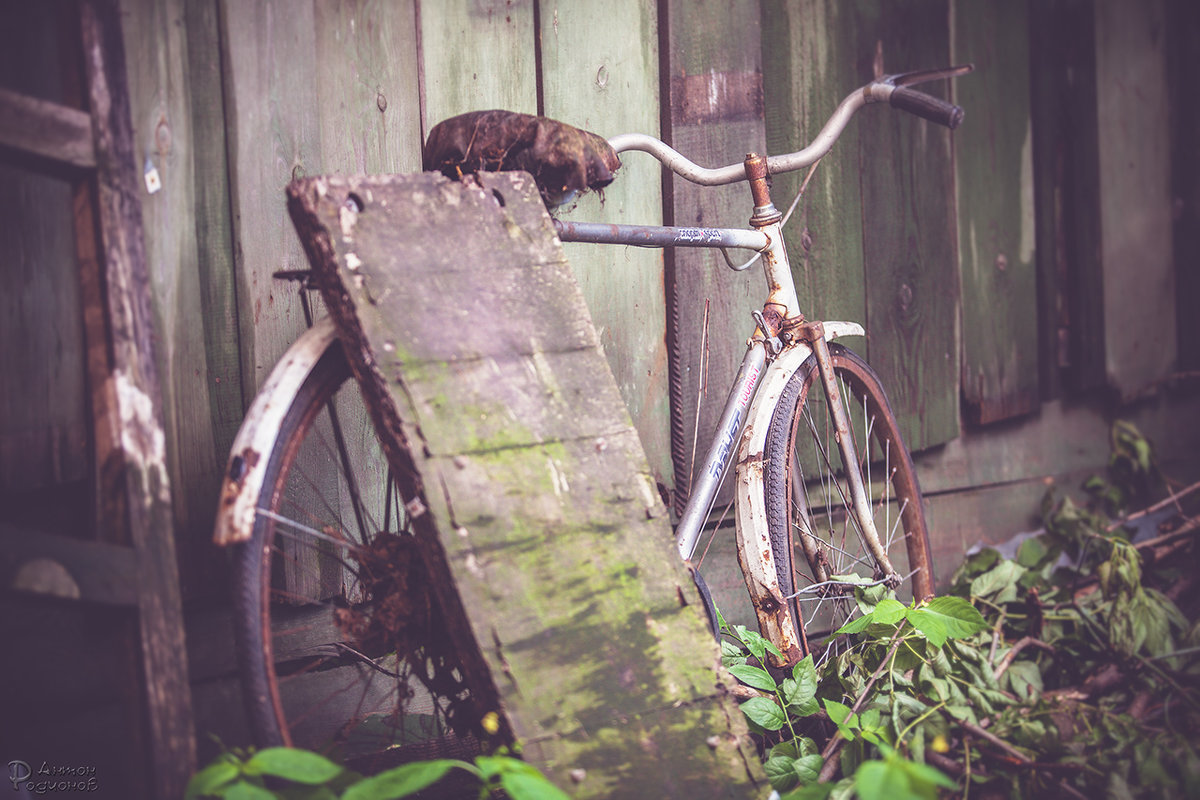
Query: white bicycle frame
x=768, y=365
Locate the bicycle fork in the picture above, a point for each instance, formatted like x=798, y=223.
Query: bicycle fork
x=779, y=617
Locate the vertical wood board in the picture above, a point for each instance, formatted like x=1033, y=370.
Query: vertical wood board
x=993, y=176
x=1135, y=194
x=367, y=86
x=162, y=137
x=476, y=55
x=909, y=231
x=273, y=120
x=599, y=71
x=136, y=416
x=213, y=222
x=1183, y=31
x=714, y=101
x=812, y=65
x=43, y=408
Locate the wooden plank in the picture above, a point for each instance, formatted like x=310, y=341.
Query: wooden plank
x=599, y=71
x=137, y=414
x=909, y=232
x=368, y=87
x=812, y=65
x=711, y=47
x=555, y=543
x=161, y=107
x=1136, y=208
x=1066, y=158
x=993, y=177
x=1183, y=31
x=43, y=399
x=60, y=566
x=43, y=129
x=214, y=223
x=476, y=55
x=273, y=134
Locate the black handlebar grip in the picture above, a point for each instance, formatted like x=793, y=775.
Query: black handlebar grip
x=927, y=106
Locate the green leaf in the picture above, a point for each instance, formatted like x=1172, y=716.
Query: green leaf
x=764, y=712
x=209, y=780
x=244, y=790
x=856, y=625
x=946, y=618
x=781, y=773
x=889, y=611
x=923, y=773
x=1032, y=551
x=404, y=780
x=801, y=694
x=881, y=780
x=753, y=641
x=841, y=716
x=754, y=676
x=1000, y=581
x=731, y=653
x=808, y=768
x=299, y=766
x=1025, y=679
x=521, y=785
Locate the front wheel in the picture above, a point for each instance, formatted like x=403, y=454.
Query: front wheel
x=820, y=545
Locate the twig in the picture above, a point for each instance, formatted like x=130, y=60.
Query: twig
x=1017, y=648
x=1161, y=504
x=996, y=740
x=1183, y=530
x=835, y=743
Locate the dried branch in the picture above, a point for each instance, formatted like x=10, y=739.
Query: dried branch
x=835, y=743
x=1017, y=648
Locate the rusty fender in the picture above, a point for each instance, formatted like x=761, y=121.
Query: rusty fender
x=753, y=540
x=256, y=438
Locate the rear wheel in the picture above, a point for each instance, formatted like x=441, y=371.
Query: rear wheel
x=820, y=547
x=341, y=646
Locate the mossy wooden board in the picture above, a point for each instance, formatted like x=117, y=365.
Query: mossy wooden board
x=554, y=538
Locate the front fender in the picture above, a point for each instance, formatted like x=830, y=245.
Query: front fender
x=753, y=541
x=255, y=440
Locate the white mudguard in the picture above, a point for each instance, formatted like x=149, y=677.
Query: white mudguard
x=256, y=438
x=754, y=546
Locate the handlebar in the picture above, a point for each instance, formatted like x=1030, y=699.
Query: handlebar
x=891, y=88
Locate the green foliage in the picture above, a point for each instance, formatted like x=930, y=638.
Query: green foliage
x=283, y=773
x=1071, y=656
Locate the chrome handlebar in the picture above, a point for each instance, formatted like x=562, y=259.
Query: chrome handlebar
x=889, y=88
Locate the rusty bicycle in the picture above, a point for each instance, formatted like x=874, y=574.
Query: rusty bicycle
x=826, y=497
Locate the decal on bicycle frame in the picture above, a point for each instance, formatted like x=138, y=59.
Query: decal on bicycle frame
x=729, y=435
x=700, y=235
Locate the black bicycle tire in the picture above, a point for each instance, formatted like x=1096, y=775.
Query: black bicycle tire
x=778, y=454
x=251, y=559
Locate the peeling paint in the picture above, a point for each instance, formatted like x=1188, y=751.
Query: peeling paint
x=142, y=437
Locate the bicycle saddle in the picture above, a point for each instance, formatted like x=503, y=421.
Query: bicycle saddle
x=563, y=160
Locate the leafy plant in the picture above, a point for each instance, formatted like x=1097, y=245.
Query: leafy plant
x=283, y=773
x=1067, y=670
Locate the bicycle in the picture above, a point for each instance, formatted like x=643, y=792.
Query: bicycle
x=822, y=471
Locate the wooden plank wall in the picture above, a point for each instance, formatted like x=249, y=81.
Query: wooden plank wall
x=1008, y=296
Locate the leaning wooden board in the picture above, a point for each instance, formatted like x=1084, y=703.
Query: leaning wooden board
x=540, y=509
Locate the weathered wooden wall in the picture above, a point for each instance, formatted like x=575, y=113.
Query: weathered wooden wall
x=1022, y=280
